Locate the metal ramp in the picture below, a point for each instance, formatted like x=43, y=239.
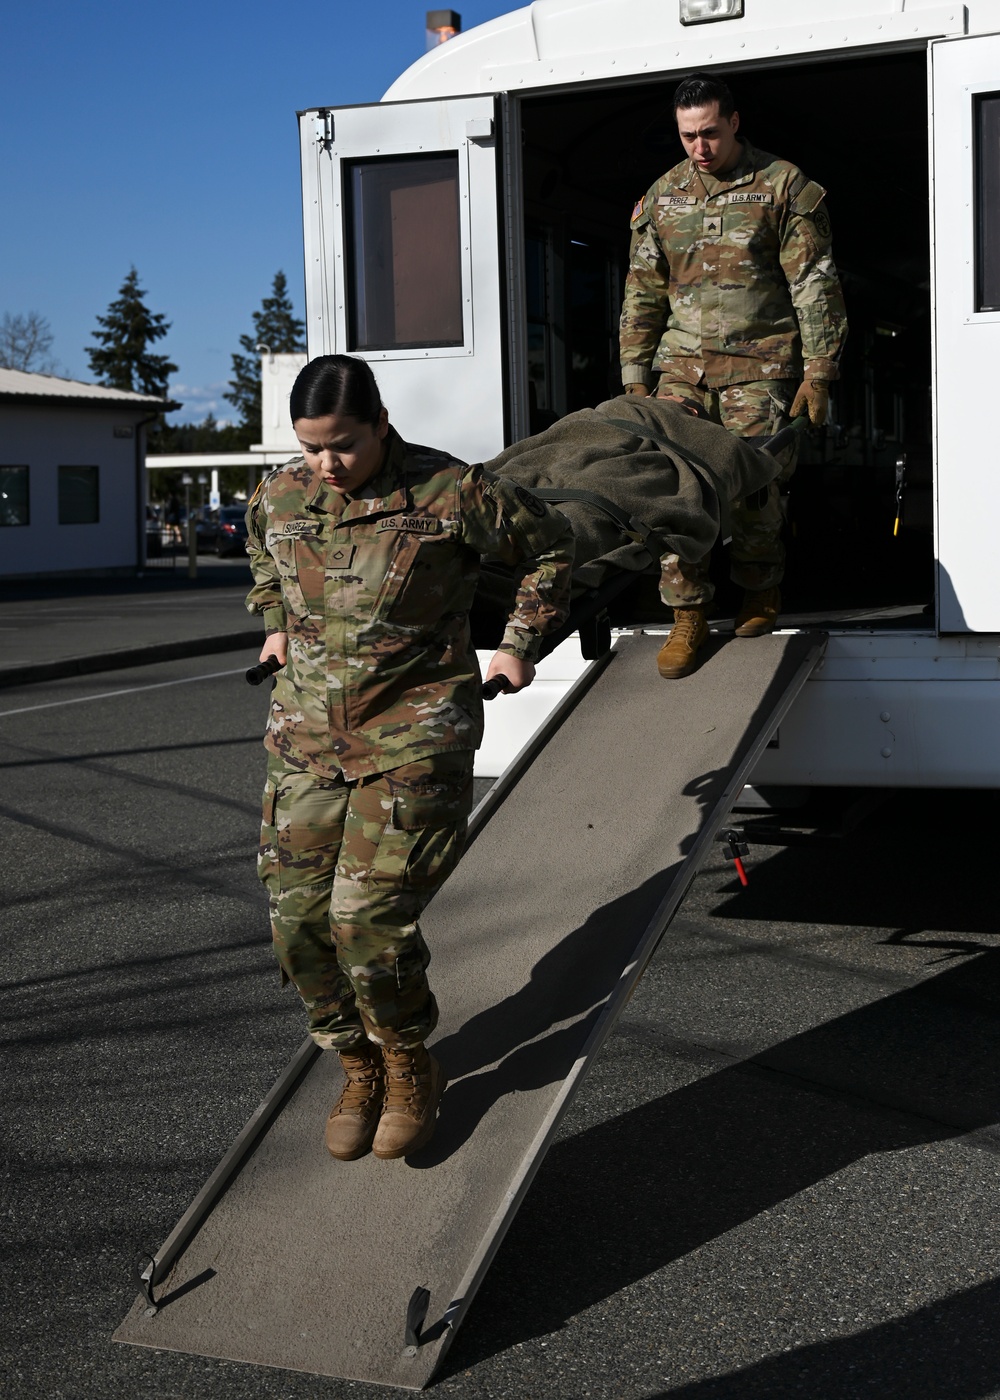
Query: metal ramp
x=365, y=1270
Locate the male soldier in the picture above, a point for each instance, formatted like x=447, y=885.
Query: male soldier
x=733, y=306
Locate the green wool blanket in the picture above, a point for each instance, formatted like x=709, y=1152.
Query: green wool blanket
x=668, y=475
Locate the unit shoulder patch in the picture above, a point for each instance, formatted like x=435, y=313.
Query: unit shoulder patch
x=529, y=501
x=822, y=221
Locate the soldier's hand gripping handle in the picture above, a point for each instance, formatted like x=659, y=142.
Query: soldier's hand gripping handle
x=259, y=673
x=512, y=672
x=497, y=686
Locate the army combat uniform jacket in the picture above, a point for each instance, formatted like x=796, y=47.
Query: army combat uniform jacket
x=374, y=592
x=732, y=280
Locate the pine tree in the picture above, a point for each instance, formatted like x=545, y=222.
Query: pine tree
x=283, y=333
x=121, y=359
x=207, y=436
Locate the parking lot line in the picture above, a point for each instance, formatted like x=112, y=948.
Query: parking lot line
x=111, y=694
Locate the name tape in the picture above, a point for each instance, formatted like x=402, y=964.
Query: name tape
x=411, y=524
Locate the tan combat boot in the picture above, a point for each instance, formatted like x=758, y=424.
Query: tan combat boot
x=353, y=1119
x=678, y=656
x=758, y=613
x=414, y=1083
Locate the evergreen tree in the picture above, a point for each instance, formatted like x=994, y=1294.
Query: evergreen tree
x=207, y=436
x=275, y=326
x=121, y=358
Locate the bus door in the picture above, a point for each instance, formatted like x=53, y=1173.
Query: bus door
x=403, y=262
x=965, y=106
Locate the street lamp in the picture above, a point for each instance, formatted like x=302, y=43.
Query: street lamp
x=192, y=538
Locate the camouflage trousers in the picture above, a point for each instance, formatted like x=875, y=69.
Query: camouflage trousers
x=757, y=555
x=349, y=868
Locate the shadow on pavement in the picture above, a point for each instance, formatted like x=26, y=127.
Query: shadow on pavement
x=635, y=1193
x=947, y=1351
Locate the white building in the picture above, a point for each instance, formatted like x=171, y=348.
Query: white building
x=72, y=475
x=277, y=375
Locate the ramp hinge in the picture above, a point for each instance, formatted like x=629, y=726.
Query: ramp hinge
x=736, y=840
x=416, y=1316
x=143, y=1279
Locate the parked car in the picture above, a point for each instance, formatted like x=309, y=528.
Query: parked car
x=222, y=531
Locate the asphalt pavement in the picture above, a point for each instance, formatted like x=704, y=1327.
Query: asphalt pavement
x=55, y=627
x=779, y=1180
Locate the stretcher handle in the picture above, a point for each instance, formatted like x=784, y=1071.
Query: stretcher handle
x=259, y=673
x=495, y=687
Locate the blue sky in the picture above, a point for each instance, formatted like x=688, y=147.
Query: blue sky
x=165, y=136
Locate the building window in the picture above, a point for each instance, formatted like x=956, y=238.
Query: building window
x=14, y=496
x=79, y=496
x=404, y=252
x=987, y=128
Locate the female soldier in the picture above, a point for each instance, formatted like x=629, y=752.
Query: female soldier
x=365, y=554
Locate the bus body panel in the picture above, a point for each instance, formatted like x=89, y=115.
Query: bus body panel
x=887, y=708
x=401, y=232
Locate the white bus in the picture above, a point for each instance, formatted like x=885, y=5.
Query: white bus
x=468, y=235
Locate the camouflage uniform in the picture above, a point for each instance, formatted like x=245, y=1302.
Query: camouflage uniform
x=377, y=712
x=757, y=557
x=732, y=298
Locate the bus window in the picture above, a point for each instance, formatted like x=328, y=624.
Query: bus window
x=987, y=128
x=404, y=274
